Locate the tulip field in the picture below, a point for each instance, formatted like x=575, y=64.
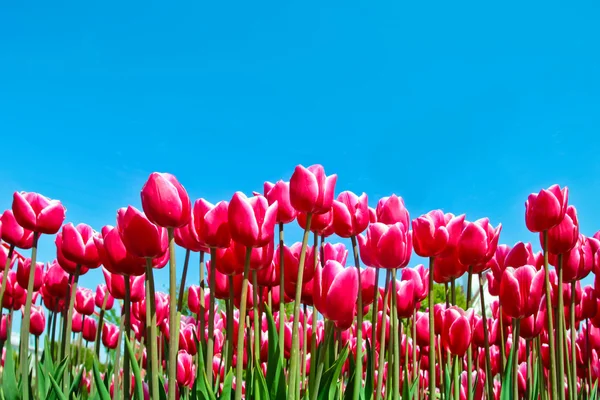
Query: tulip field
x=313, y=320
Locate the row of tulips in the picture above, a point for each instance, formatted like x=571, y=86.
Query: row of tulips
x=272, y=321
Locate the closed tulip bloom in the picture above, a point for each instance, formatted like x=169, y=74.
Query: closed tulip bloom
x=84, y=301
x=211, y=222
x=268, y=277
x=251, y=220
x=291, y=261
x=68, y=265
x=306, y=294
x=419, y=276
x=114, y=255
x=368, y=285
x=37, y=322
x=78, y=246
x=497, y=262
x=456, y=331
x=521, y=291
x=4, y=322
x=532, y=325
x=77, y=325
x=221, y=283
x=56, y=280
x=337, y=252
x=430, y=233
x=280, y=192
x=478, y=338
x=388, y=246
x=260, y=257
x=521, y=254
x=194, y=298
x=321, y=224
x=141, y=237
x=14, y=295
x=422, y=329
x=101, y=294
x=405, y=295
x=227, y=261
x=546, y=209
x=23, y=271
x=564, y=236
x=391, y=210
x=110, y=335
x=579, y=261
x=335, y=290
x=589, y=303
x=4, y=258
x=115, y=284
x=350, y=214
x=186, y=369
x=311, y=191
x=13, y=233
x=448, y=267
x=165, y=202
x=187, y=237
x=90, y=327
x=477, y=243
x=38, y=213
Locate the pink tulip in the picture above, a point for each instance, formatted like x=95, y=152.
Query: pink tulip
x=84, y=301
x=101, y=294
x=38, y=213
x=337, y=252
x=187, y=237
x=368, y=285
x=335, y=290
x=13, y=233
x=116, y=286
x=546, y=209
x=221, y=283
x=14, y=295
x=227, y=261
x=420, y=279
x=260, y=257
x=563, y=237
x=4, y=323
x=350, y=214
x=23, y=271
x=165, y=201
x=251, y=220
x=77, y=325
x=90, y=328
x=280, y=193
x=521, y=291
x=321, y=224
x=140, y=236
x=186, y=369
x=579, y=261
x=477, y=243
x=37, y=322
x=391, y=210
x=430, y=233
x=387, y=246
x=78, y=246
x=405, y=295
x=311, y=191
x=114, y=255
x=110, y=335
x=522, y=254
x=456, y=330
x=211, y=223
x=291, y=261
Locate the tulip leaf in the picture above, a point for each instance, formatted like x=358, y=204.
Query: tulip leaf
x=76, y=382
x=594, y=394
x=535, y=390
x=369, y=380
x=348, y=394
x=162, y=393
x=60, y=369
x=41, y=381
x=329, y=381
x=9, y=377
x=201, y=389
x=261, y=391
x=507, y=379
x=57, y=390
x=102, y=391
x=135, y=368
x=275, y=372
x=227, y=385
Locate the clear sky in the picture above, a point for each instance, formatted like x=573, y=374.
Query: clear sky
x=466, y=106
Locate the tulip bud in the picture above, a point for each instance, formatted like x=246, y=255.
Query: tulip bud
x=521, y=291
x=140, y=236
x=84, y=301
x=13, y=233
x=546, y=209
x=350, y=214
x=280, y=193
x=564, y=236
x=101, y=294
x=23, y=271
x=165, y=201
x=456, y=331
x=37, y=322
x=186, y=369
x=89, y=329
x=38, y=213
x=311, y=191
x=335, y=290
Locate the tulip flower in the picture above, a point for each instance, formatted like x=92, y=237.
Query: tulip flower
x=280, y=192
x=23, y=271
x=335, y=290
x=211, y=223
x=546, y=209
x=114, y=255
x=38, y=321
x=350, y=214
x=103, y=298
x=110, y=336
x=89, y=329
x=78, y=246
x=56, y=280
x=186, y=370
x=477, y=243
x=388, y=246
x=563, y=237
x=579, y=261
x=165, y=201
x=84, y=301
x=14, y=295
x=38, y=213
x=456, y=331
x=521, y=291
x=251, y=220
x=13, y=233
x=141, y=237
x=4, y=326
x=337, y=252
x=311, y=191
x=221, y=283
x=430, y=232
x=291, y=258
x=321, y=224
x=116, y=286
x=187, y=237
x=391, y=210
x=77, y=324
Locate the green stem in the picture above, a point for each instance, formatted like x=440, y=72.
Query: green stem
x=68, y=325
x=374, y=312
x=516, y=358
x=431, y=330
x=456, y=380
x=322, y=351
x=396, y=330
x=313, y=350
x=202, y=308
x=100, y=324
x=211, y=317
x=359, y=322
x=229, y=337
x=303, y=357
x=486, y=341
x=173, y=317
x=183, y=277
x=11, y=250
x=126, y=357
x=414, y=346
x=573, y=340
x=502, y=341
x=153, y=345
x=382, y=336
x=239, y=366
x=470, y=348
x=25, y=322
x=549, y=317
x=256, y=324
x=117, y=369
x=560, y=360
x=281, y=292
x=294, y=370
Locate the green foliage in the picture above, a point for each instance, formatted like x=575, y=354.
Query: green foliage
x=439, y=297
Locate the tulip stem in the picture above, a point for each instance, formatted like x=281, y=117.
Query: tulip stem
x=515, y=360
x=414, y=345
x=374, y=312
x=183, y=277
x=202, y=307
x=359, y=322
x=456, y=380
x=52, y=335
x=211, y=316
x=548, y=293
x=304, y=349
x=396, y=328
x=256, y=323
x=229, y=338
x=588, y=354
x=152, y=345
x=560, y=331
x=117, y=367
x=502, y=347
x=431, y=330
x=11, y=250
x=382, y=335
x=126, y=357
x=470, y=348
x=324, y=347
x=23, y=353
x=573, y=340
x=173, y=317
x=68, y=325
x=294, y=370
x=313, y=349
x=239, y=365
x=281, y=294
x=486, y=341
x=100, y=324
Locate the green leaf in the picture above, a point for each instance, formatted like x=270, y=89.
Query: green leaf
x=535, y=390
x=447, y=382
x=507, y=378
x=9, y=377
x=275, y=371
x=329, y=381
x=594, y=395
x=58, y=373
x=227, y=387
x=76, y=382
x=369, y=381
x=162, y=393
x=139, y=389
x=201, y=389
x=261, y=391
x=57, y=390
x=102, y=392
x=41, y=381
x=348, y=394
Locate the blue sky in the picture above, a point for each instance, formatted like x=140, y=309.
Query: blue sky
x=466, y=107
